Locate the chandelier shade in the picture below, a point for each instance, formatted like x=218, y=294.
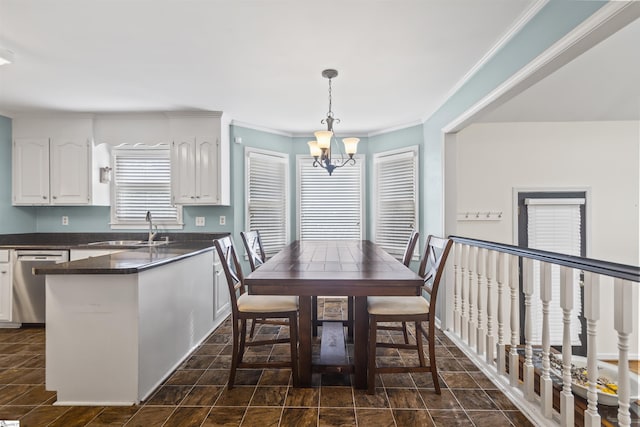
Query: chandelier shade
x=320, y=149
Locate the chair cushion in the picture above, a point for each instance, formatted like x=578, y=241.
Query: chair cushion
x=397, y=305
x=267, y=304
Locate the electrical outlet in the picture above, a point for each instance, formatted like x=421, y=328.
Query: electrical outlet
x=65, y=220
x=199, y=221
x=223, y=220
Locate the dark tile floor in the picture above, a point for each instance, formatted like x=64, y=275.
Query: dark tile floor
x=195, y=394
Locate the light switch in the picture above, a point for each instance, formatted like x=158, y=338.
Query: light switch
x=199, y=221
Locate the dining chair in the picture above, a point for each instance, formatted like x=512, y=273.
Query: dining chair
x=406, y=260
x=257, y=256
x=251, y=307
x=417, y=309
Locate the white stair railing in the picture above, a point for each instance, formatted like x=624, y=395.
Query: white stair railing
x=480, y=265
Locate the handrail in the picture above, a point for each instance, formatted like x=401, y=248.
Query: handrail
x=621, y=271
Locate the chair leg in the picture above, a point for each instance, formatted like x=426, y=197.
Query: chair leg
x=371, y=371
x=293, y=337
x=234, y=356
x=350, y=317
x=243, y=337
x=405, y=333
x=253, y=327
x=314, y=315
x=432, y=357
x=419, y=344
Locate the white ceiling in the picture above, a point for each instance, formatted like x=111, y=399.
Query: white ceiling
x=601, y=84
x=258, y=61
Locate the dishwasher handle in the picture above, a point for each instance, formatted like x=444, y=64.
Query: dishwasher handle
x=51, y=257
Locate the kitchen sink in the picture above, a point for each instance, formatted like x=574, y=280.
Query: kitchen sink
x=129, y=243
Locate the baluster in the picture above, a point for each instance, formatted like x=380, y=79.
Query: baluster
x=527, y=288
x=502, y=257
x=546, y=385
x=624, y=295
x=456, y=288
x=471, y=268
x=592, y=314
x=490, y=341
x=513, y=354
x=566, y=303
x=480, y=267
x=465, y=293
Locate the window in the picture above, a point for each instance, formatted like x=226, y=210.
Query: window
x=330, y=207
x=555, y=222
x=142, y=182
x=395, y=201
x=267, y=206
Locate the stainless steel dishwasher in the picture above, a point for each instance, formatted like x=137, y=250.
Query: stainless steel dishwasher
x=28, y=289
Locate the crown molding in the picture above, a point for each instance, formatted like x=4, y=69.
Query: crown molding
x=396, y=128
x=605, y=21
x=260, y=128
x=7, y=114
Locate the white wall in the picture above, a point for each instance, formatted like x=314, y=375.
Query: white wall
x=491, y=159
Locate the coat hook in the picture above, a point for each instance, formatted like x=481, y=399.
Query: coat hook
x=499, y=214
x=478, y=215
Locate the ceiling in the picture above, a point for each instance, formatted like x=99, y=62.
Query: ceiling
x=601, y=84
x=258, y=61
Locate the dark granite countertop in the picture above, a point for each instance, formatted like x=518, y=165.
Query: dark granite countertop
x=130, y=260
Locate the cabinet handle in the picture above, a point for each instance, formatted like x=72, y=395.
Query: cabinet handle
x=197, y=197
x=3, y=272
x=44, y=197
x=193, y=197
x=55, y=197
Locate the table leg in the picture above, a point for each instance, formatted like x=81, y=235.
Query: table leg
x=361, y=333
x=304, y=340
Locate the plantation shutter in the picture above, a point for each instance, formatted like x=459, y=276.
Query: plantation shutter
x=555, y=225
x=142, y=182
x=396, y=199
x=267, y=176
x=330, y=205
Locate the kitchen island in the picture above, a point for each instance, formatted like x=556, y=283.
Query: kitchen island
x=118, y=325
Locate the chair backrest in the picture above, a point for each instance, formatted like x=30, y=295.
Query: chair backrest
x=411, y=246
x=232, y=269
x=253, y=246
x=432, y=265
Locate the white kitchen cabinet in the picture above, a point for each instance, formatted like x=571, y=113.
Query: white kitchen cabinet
x=51, y=171
x=56, y=163
x=222, y=300
x=194, y=171
x=5, y=285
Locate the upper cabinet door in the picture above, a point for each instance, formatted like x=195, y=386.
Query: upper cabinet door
x=31, y=171
x=207, y=183
x=183, y=171
x=69, y=172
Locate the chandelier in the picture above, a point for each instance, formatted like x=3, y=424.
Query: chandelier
x=320, y=149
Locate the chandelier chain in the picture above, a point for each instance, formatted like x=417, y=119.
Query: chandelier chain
x=330, y=113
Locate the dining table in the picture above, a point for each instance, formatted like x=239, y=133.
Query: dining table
x=356, y=268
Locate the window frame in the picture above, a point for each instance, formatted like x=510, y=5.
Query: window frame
x=414, y=152
x=116, y=224
x=284, y=157
x=361, y=161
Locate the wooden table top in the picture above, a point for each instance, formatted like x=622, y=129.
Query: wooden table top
x=333, y=267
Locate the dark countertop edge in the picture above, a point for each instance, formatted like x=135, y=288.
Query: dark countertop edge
x=80, y=240
x=77, y=268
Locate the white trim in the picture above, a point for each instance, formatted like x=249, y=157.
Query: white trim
x=605, y=21
x=520, y=23
x=259, y=128
x=395, y=128
x=7, y=114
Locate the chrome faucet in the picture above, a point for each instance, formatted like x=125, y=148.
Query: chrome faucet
x=152, y=234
